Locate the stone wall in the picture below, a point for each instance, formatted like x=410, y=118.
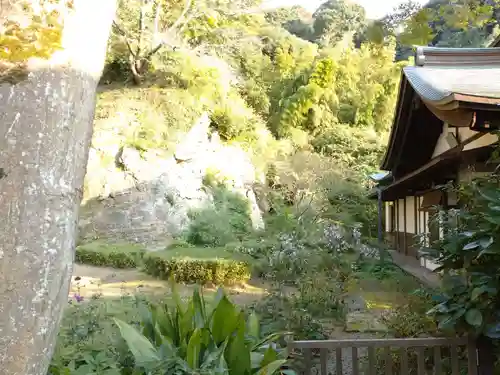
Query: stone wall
x=146, y=196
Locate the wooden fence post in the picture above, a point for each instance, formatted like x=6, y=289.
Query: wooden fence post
x=485, y=355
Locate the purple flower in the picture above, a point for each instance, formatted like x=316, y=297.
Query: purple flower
x=78, y=297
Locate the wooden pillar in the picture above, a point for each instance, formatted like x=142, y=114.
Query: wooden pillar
x=425, y=228
x=380, y=223
x=486, y=357
x=396, y=234
x=415, y=217
x=417, y=207
x=445, y=216
x=405, y=244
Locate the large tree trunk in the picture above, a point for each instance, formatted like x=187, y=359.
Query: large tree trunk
x=46, y=127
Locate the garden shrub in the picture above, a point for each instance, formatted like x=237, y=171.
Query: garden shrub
x=279, y=312
x=227, y=220
x=87, y=329
x=199, y=337
x=118, y=255
x=411, y=319
x=202, y=266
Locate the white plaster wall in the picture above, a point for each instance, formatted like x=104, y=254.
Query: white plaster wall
x=442, y=144
x=387, y=216
x=401, y=217
x=463, y=134
x=485, y=140
x=410, y=215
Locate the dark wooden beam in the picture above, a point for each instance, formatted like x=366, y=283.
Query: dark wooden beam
x=415, y=212
x=397, y=224
x=448, y=155
x=405, y=244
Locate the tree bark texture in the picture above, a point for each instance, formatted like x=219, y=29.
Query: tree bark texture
x=45, y=132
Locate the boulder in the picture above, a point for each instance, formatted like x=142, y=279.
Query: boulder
x=146, y=196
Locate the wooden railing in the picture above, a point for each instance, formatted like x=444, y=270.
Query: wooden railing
x=376, y=356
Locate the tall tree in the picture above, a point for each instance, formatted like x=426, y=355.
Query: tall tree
x=146, y=27
x=443, y=19
x=335, y=19
x=51, y=60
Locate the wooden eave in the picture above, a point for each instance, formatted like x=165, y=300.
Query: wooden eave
x=437, y=169
x=457, y=108
x=414, y=133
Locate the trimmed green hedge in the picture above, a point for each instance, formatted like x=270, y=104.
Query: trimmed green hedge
x=187, y=265
x=198, y=265
x=119, y=255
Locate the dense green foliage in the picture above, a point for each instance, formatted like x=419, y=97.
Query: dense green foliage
x=196, y=337
x=109, y=255
x=468, y=255
x=256, y=79
x=226, y=221
x=203, y=266
x=440, y=23
x=276, y=94
x=174, y=336
x=188, y=264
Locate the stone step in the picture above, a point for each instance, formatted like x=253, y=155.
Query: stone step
x=364, y=321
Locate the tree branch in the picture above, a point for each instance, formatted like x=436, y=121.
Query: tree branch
x=142, y=15
x=157, y=18
x=183, y=14
x=170, y=30
x=125, y=38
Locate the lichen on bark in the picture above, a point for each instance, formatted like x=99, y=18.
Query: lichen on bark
x=12, y=73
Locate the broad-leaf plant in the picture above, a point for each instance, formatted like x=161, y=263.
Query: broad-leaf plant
x=196, y=337
x=469, y=254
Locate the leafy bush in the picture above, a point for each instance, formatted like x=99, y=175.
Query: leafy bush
x=381, y=270
x=119, y=255
x=226, y=221
x=350, y=205
x=411, y=319
x=144, y=118
x=194, y=265
x=194, y=337
x=279, y=312
x=88, y=337
x=469, y=253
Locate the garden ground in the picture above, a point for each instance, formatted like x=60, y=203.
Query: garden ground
x=89, y=281
x=367, y=300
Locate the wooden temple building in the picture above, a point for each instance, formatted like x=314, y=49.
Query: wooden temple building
x=448, y=105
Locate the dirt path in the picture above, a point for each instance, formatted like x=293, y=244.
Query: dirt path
x=88, y=281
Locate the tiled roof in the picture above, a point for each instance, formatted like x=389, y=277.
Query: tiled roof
x=453, y=83
x=442, y=73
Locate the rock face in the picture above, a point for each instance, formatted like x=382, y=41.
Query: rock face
x=147, y=196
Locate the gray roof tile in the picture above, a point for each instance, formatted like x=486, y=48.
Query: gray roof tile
x=435, y=83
